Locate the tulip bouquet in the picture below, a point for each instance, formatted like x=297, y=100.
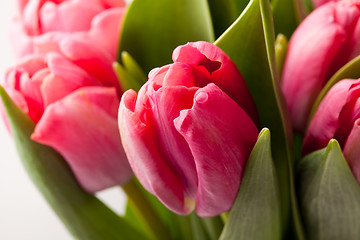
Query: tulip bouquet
x=212, y=126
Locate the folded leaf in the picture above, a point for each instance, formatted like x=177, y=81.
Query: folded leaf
x=329, y=195
x=256, y=211
x=84, y=215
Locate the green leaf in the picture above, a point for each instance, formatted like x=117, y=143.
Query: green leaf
x=152, y=29
x=84, y=215
x=256, y=211
x=250, y=44
x=130, y=75
x=329, y=195
x=287, y=15
x=349, y=70
x=224, y=13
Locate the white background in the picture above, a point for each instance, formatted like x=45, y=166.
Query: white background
x=24, y=214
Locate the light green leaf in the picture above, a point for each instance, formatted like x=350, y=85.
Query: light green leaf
x=281, y=46
x=250, y=44
x=287, y=15
x=129, y=73
x=84, y=215
x=152, y=29
x=225, y=12
x=256, y=211
x=329, y=195
x=349, y=70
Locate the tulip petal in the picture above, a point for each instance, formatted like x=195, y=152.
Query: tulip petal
x=64, y=78
x=352, y=150
x=326, y=119
x=66, y=15
x=84, y=133
x=317, y=41
x=221, y=136
x=223, y=72
x=105, y=29
x=92, y=59
x=148, y=164
x=173, y=146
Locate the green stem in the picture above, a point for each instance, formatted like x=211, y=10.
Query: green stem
x=214, y=227
x=145, y=211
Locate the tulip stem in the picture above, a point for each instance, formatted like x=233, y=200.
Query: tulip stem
x=145, y=211
x=225, y=217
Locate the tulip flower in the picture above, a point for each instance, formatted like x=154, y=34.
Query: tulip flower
x=99, y=20
x=338, y=116
x=326, y=40
x=73, y=96
x=188, y=133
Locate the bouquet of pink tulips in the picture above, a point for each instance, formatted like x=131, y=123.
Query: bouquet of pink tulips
x=232, y=119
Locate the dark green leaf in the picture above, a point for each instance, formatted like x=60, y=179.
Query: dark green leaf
x=287, y=15
x=250, y=44
x=83, y=214
x=152, y=29
x=225, y=12
x=350, y=70
x=256, y=211
x=329, y=195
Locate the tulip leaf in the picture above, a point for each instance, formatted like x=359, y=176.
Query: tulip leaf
x=256, y=211
x=152, y=29
x=224, y=13
x=84, y=215
x=281, y=46
x=349, y=70
x=250, y=44
x=130, y=74
x=287, y=15
x=329, y=195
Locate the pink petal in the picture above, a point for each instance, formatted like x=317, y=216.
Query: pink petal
x=312, y=49
x=148, y=164
x=67, y=17
x=87, y=136
x=114, y=3
x=326, y=119
x=105, y=29
x=164, y=106
x=221, y=136
x=92, y=59
x=21, y=43
x=223, y=72
x=352, y=150
x=64, y=78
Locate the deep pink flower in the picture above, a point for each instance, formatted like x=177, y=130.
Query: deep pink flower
x=326, y=40
x=188, y=134
x=100, y=20
x=338, y=117
x=75, y=112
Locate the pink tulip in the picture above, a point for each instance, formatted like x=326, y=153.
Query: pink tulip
x=338, y=116
x=326, y=40
x=188, y=133
x=73, y=95
x=100, y=20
